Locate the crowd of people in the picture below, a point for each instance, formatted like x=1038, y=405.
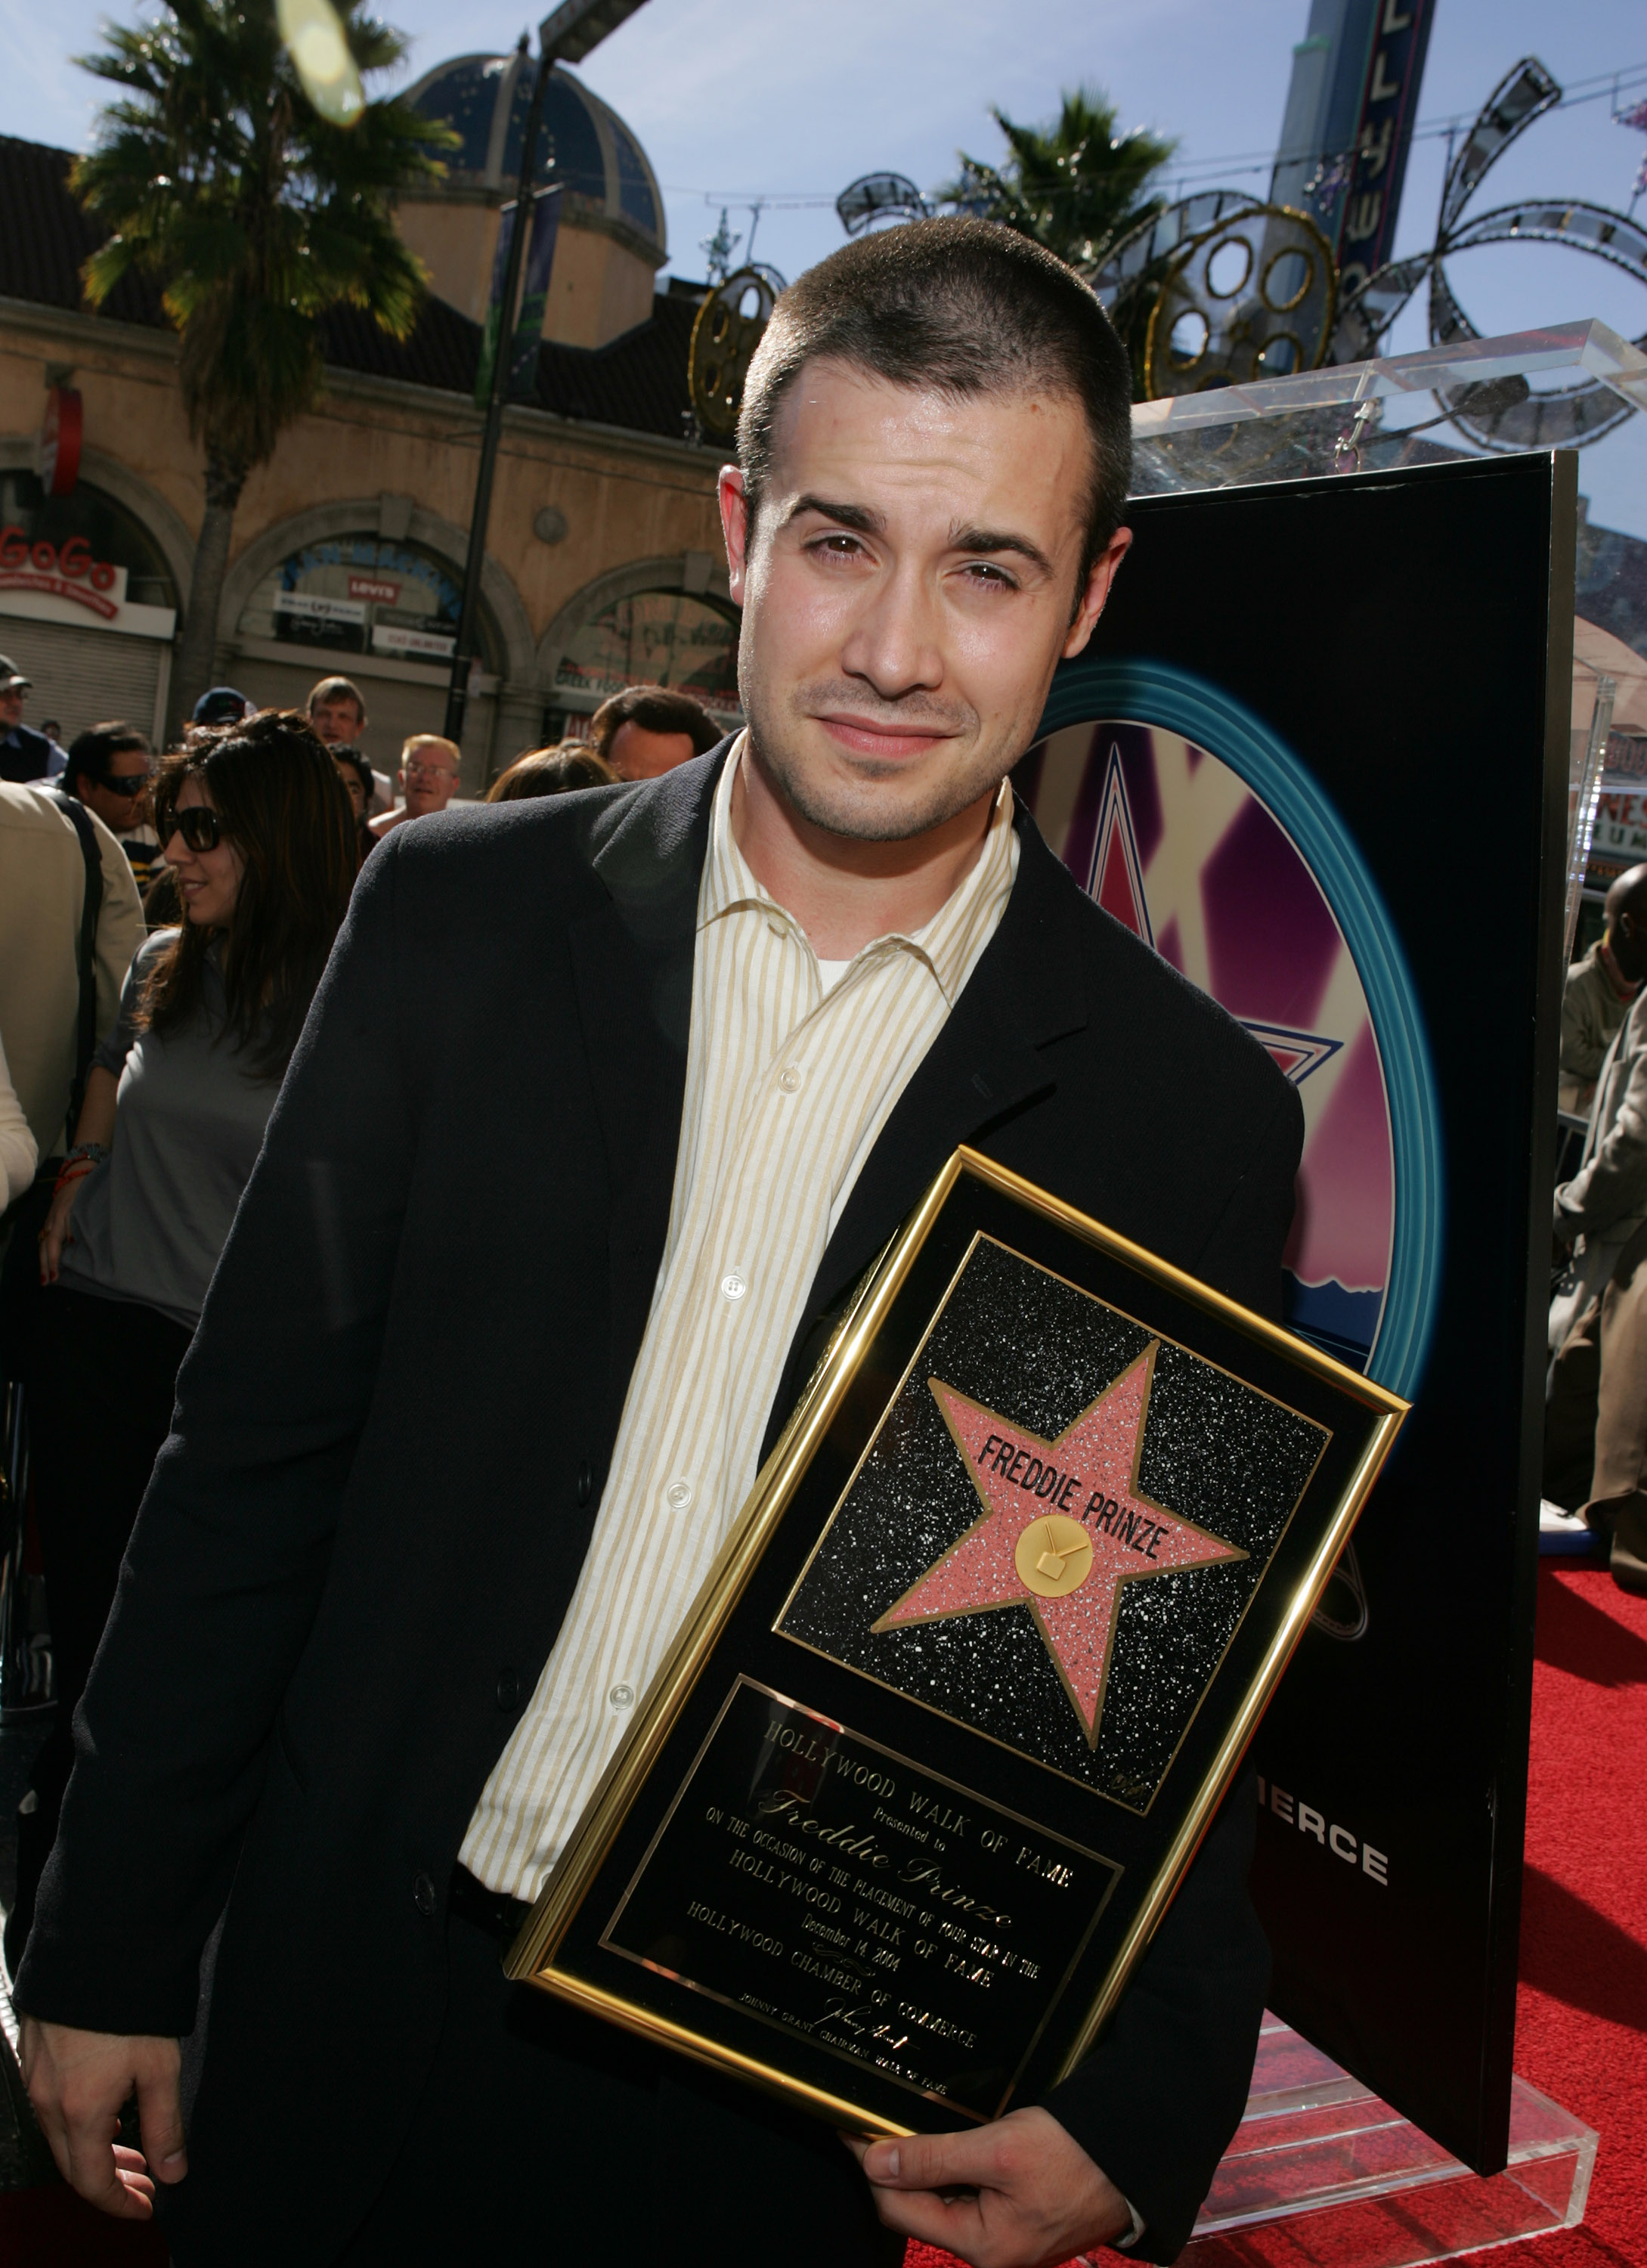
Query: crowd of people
x=163, y=928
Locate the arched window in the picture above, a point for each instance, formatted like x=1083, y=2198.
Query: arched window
x=350, y=594
x=110, y=533
x=655, y=638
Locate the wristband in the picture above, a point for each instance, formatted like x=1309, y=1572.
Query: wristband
x=95, y=1153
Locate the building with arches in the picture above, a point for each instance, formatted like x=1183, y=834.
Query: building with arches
x=603, y=567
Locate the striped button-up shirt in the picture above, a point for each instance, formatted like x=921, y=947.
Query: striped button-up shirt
x=793, y=1067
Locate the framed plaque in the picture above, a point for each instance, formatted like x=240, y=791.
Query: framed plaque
x=970, y=1675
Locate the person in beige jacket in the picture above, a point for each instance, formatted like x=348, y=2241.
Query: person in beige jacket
x=1596, y=995
x=1599, y=1317
x=42, y=896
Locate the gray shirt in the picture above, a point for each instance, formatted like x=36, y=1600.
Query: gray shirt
x=149, y=1225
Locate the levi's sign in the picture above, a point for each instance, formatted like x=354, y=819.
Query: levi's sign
x=66, y=571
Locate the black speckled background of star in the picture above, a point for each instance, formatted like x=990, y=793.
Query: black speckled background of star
x=1038, y=1351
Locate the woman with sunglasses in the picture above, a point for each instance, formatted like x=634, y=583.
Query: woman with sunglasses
x=259, y=834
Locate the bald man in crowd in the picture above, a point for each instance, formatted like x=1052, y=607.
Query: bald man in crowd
x=1596, y=1433
x=1596, y=998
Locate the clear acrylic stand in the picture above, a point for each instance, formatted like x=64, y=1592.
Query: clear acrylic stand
x=1359, y=2186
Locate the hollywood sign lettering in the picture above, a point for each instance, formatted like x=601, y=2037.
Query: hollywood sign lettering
x=65, y=573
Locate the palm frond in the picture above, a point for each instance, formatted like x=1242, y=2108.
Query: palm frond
x=213, y=173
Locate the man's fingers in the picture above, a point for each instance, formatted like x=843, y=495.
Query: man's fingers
x=160, y=2116
x=956, y=2228
x=133, y=2169
x=92, y=2169
x=936, y=2161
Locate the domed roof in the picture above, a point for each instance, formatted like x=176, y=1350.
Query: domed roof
x=583, y=145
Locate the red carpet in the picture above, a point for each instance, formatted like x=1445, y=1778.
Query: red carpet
x=1581, y=2030
x=1582, y=2034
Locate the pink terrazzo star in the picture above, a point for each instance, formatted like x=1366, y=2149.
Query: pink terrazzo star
x=1096, y=1531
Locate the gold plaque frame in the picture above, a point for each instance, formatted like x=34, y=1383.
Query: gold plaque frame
x=579, y=1873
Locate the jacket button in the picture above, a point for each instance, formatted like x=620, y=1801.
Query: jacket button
x=586, y=1483
x=424, y=1894
x=508, y=1689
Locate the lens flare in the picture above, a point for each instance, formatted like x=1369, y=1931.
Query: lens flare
x=313, y=32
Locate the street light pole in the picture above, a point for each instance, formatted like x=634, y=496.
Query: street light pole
x=566, y=35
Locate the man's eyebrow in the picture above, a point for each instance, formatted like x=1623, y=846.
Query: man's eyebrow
x=856, y=515
x=986, y=541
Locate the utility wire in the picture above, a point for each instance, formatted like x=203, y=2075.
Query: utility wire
x=1194, y=170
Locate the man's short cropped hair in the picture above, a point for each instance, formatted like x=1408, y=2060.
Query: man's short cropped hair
x=89, y=752
x=655, y=709
x=962, y=307
x=337, y=689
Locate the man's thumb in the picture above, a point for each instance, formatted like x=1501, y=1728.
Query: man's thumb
x=160, y=2119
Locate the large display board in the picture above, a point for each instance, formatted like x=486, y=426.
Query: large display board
x=1251, y=766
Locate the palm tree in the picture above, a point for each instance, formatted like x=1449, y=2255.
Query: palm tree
x=217, y=176
x=1075, y=186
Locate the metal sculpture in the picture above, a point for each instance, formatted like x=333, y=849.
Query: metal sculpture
x=725, y=335
x=877, y=197
x=1564, y=416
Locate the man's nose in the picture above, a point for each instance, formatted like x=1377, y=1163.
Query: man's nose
x=894, y=643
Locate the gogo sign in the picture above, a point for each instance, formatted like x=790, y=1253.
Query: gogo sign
x=68, y=571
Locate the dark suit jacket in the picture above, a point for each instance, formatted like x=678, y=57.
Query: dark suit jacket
x=25, y=754
x=395, y=1425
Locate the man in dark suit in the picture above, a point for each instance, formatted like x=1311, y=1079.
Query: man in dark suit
x=362, y=1665
x=25, y=754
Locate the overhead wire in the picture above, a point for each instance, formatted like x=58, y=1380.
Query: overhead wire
x=1193, y=172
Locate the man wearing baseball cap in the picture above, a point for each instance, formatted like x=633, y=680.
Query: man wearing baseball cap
x=222, y=705
x=25, y=754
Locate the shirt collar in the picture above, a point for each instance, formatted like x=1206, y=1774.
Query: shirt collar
x=949, y=942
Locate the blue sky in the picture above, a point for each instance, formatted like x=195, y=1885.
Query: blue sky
x=734, y=100
x=794, y=98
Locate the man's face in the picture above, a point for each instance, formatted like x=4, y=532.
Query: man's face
x=10, y=706
x=908, y=594
x=636, y=754
x=120, y=796
x=354, y=787
x=336, y=720
x=430, y=779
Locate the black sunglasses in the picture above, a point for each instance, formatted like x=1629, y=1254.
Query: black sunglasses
x=123, y=783
x=200, y=828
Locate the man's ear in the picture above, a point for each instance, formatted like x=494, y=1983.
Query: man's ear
x=1105, y=567
x=735, y=526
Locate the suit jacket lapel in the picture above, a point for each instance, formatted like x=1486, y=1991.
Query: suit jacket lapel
x=984, y=1064
x=632, y=961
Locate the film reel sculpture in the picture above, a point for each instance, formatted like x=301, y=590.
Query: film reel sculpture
x=1169, y=286
x=725, y=335
x=1242, y=291
x=1252, y=298
x=1499, y=418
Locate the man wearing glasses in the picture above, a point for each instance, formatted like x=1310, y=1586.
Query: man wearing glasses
x=25, y=754
x=428, y=779
x=110, y=769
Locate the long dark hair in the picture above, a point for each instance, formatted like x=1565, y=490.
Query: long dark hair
x=274, y=785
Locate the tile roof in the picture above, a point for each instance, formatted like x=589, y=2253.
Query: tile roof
x=638, y=382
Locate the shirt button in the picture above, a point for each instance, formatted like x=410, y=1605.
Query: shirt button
x=678, y=1495
x=732, y=1286
x=586, y=1483
x=621, y=1697
x=424, y=1894
x=508, y=1689
x=789, y=1078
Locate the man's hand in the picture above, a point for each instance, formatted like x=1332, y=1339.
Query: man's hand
x=77, y=2082
x=1029, y=2195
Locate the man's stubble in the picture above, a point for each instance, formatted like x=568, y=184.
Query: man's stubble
x=860, y=806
